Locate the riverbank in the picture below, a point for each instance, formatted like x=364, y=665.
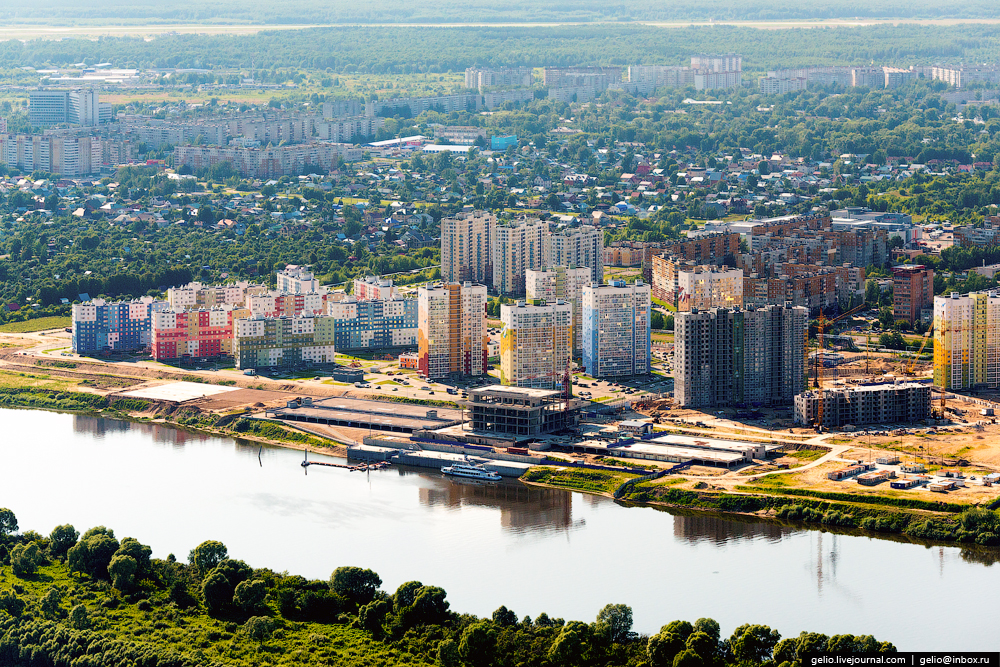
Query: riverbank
x=877, y=516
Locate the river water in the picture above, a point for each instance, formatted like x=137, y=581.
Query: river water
x=533, y=550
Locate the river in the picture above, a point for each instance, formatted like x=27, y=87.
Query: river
x=534, y=550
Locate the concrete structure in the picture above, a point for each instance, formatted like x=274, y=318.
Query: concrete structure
x=466, y=247
x=205, y=333
x=451, y=330
x=374, y=324
x=532, y=244
x=536, y=345
x=465, y=135
x=967, y=341
x=375, y=415
x=704, y=287
x=120, y=326
x=271, y=161
x=912, y=292
x=616, y=329
x=987, y=235
x=644, y=79
x=195, y=295
x=374, y=288
x=880, y=403
x=481, y=78
x=266, y=342
x=278, y=304
x=770, y=85
x=522, y=412
x=64, y=154
x=739, y=357
x=560, y=283
x=715, y=71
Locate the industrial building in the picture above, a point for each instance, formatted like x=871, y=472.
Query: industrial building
x=967, y=341
x=558, y=282
x=522, y=412
x=879, y=403
x=679, y=449
x=451, y=330
x=536, y=345
x=616, y=329
x=753, y=356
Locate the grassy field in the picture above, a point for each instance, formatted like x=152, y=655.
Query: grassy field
x=10, y=380
x=593, y=481
x=38, y=324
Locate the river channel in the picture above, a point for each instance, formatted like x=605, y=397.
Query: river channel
x=534, y=550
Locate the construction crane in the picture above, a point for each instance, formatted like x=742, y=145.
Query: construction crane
x=821, y=324
x=908, y=368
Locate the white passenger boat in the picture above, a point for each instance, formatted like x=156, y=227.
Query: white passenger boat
x=470, y=471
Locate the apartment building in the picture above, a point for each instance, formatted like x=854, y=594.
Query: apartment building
x=912, y=292
x=967, y=341
x=593, y=78
x=494, y=98
x=536, y=345
x=556, y=283
x=717, y=71
x=270, y=162
x=375, y=288
x=517, y=247
x=374, y=324
x=808, y=285
x=647, y=78
x=48, y=107
x=576, y=247
x=451, y=330
x=65, y=155
x=296, y=279
x=268, y=342
x=876, y=403
x=869, y=77
x=202, y=333
x=771, y=85
x=195, y=295
x=704, y=287
x=119, y=326
x=466, y=247
x=752, y=356
x=278, y=304
x=987, y=235
x=417, y=105
x=480, y=78
x=616, y=329
x=710, y=249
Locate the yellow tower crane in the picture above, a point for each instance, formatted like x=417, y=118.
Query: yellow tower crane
x=821, y=324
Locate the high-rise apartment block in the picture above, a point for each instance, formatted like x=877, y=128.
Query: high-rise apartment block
x=481, y=78
x=912, y=292
x=294, y=279
x=466, y=250
x=616, y=328
x=558, y=282
x=451, y=330
x=967, y=341
x=374, y=324
x=532, y=244
x=76, y=107
x=375, y=288
x=536, y=345
x=202, y=333
x=704, y=287
x=752, y=357
x=714, y=71
x=196, y=295
x=265, y=342
x=121, y=326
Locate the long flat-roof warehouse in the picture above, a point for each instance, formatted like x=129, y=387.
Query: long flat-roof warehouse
x=361, y=413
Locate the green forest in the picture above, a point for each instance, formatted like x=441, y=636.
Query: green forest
x=97, y=600
x=404, y=49
x=383, y=11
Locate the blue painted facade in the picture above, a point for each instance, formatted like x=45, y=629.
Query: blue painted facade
x=378, y=324
x=120, y=326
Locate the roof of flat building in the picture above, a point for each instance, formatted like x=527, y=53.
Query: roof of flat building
x=530, y=392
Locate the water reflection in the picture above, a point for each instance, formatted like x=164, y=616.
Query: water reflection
x=718, y=531
x=98, y=427
x=522, y=508
x=162, y=434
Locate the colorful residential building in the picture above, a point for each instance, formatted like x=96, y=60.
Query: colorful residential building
x=120, y=326
x=267, y=342
x=375, y=287
x=204, y=333
x=616, y=329
x=374, y=324
x=967, y=341
x=277, y=304
x=451, y=330
x=536, y=345
x=558, y=282
x=912, y=292
x=196, y=295
x=295, y=279
x=466, y=247
x=409, y=360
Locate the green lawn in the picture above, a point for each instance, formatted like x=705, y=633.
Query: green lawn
x=37, y=324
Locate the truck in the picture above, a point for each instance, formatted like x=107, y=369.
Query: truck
x=250, y=371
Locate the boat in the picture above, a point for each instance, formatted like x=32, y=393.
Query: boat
x=471, y=471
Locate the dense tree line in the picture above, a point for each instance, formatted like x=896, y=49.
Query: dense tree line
x=114, y=605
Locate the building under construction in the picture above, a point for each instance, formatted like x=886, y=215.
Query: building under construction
x=521, y=411
x=874, y=403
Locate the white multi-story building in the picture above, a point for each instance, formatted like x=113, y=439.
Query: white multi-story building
x=616, y=329
x=536, y=345
x=709, y=287
x=558, y=282
x=465, y=247
x=967, y=341
x=295, y=279
x=196, y=295
x=770, y=85
x=480, y=78
x=531, y=244
x=451, y=330
x=375, y=288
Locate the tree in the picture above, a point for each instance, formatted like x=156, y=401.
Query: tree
x=662, y=648
x=478, y=644
x=11, y=603
x=51, y=602
x=24, y=559
x=615, y=622
x=207, y=555
x=704, y=645
x=61, y=539
x=372, y=615
x=217, y=593
x=8, y=522
x=504, y=617
x=405, y=594
x=79, y=618
x=93, y=553
x=753, y=643
x=249, y=595
x=122, y=570
x=688, y=658
x=447, y=654
x=356, y=584
x=139, y=552
x=570, y=645
x=259, y=628
x=872, y=293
